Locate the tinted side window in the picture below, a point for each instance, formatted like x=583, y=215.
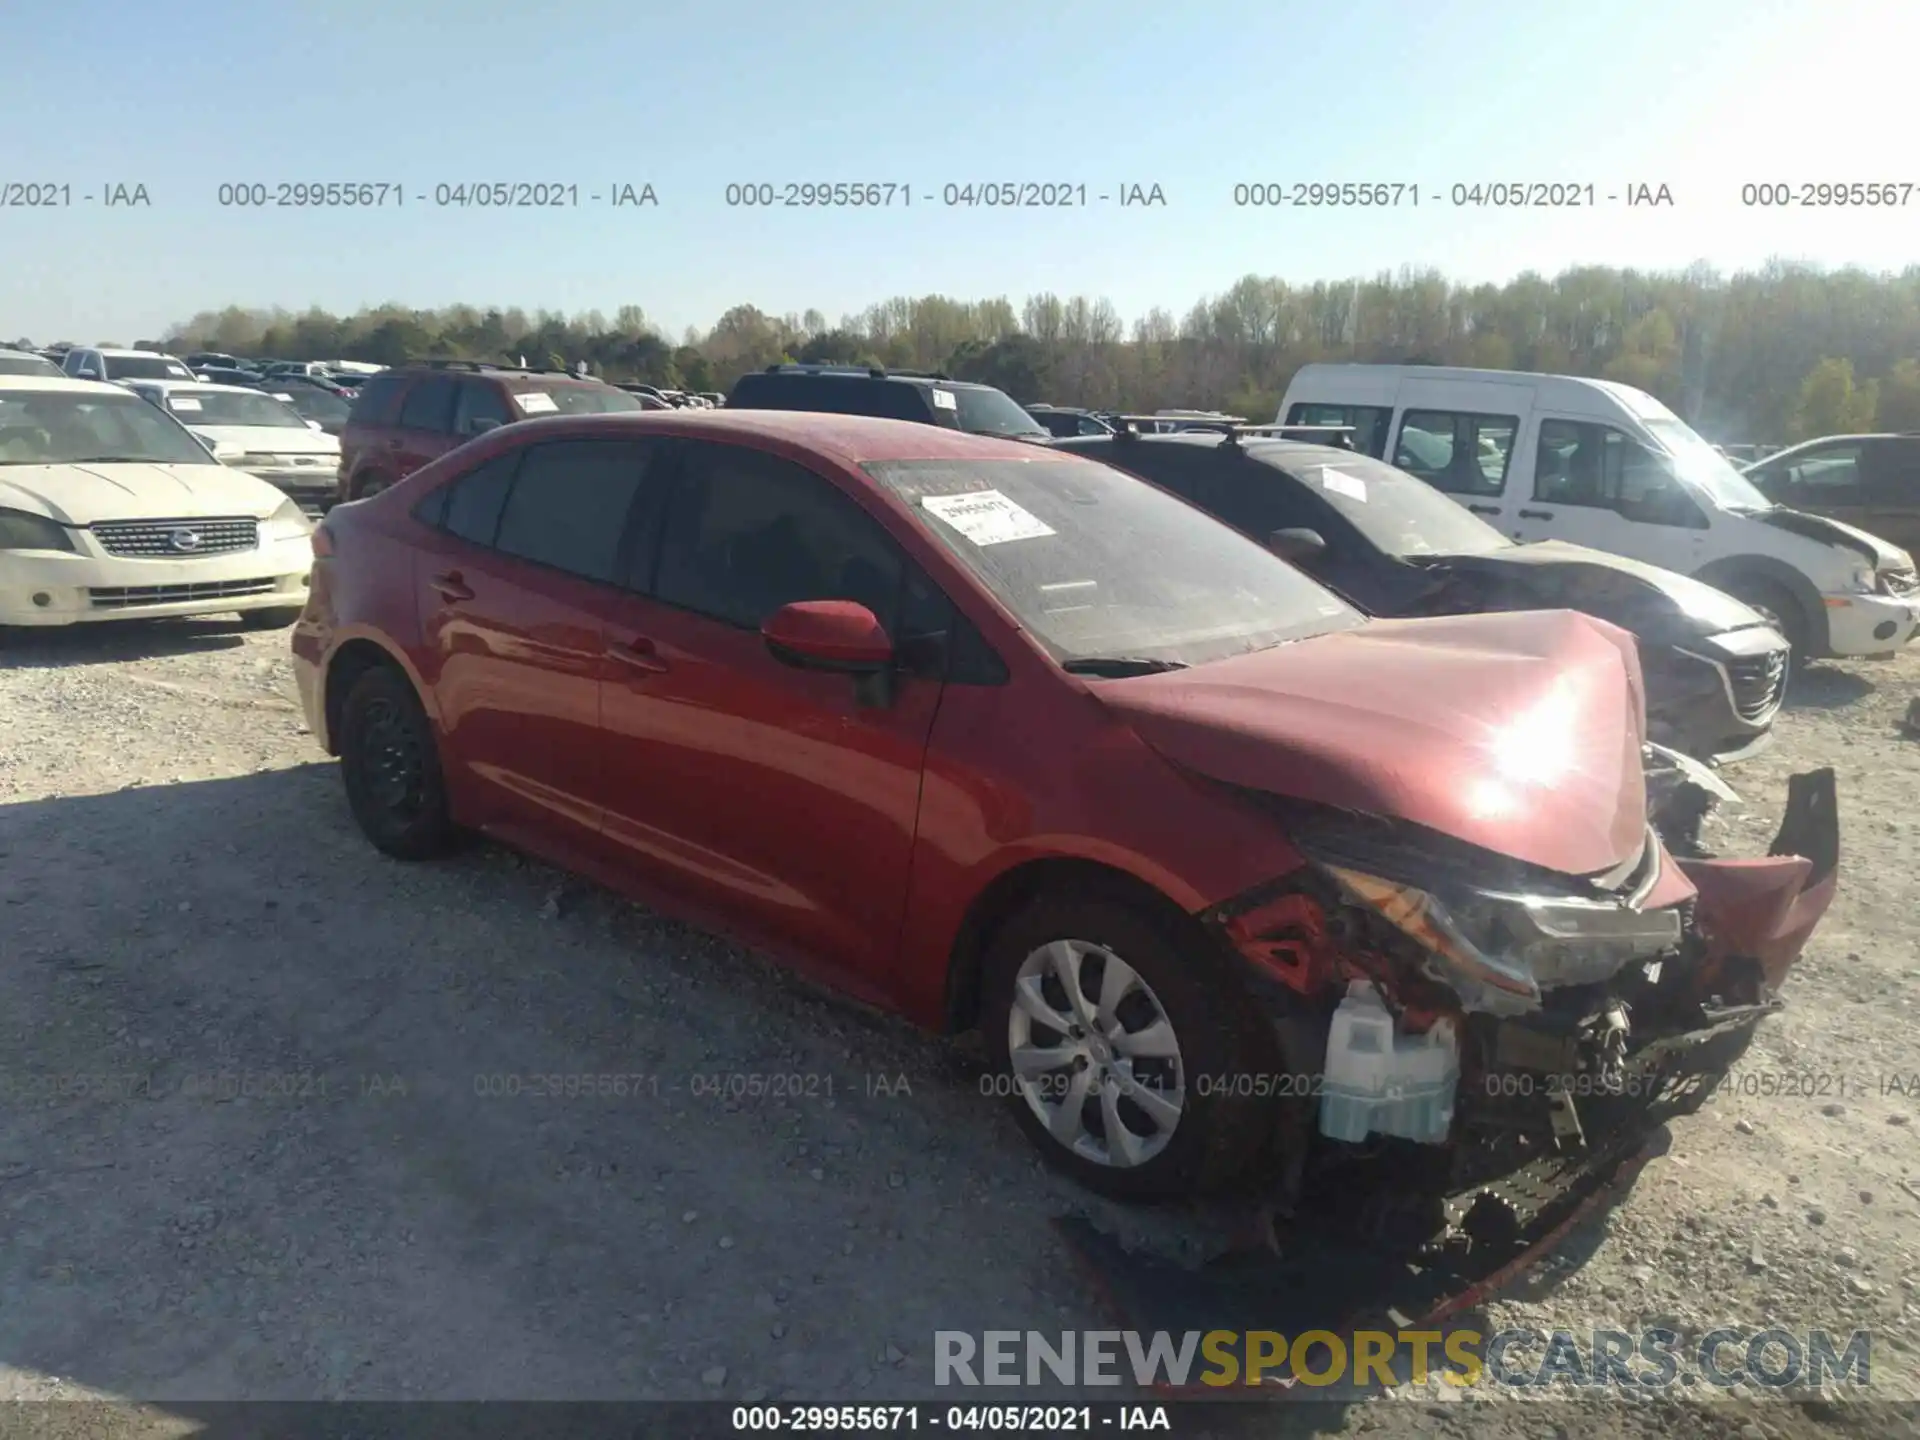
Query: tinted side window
x=1172, y=466
x=1829, y=475
x=1259, y=499
x=377, y=401
x=429, y=405
x=478, y=400
x=569, y=504
x=477, y=498
x=1369, y=422
x=1458, y=453
x=747, y=532
x=1893, y=473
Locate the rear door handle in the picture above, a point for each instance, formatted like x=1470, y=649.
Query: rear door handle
x=451, y=587
x=393, y=444
x=639, y=654
x=1484, y=509
x=1534, y=514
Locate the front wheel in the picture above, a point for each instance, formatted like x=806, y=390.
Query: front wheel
x=1781, y=611
x=390, y=761
x=1130, y=1066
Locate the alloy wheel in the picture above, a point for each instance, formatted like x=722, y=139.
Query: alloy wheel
x=1094, y=1054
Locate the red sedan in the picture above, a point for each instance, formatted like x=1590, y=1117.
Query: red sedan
x=1002, y=738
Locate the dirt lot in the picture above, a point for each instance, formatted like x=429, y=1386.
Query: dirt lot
x=186, y=902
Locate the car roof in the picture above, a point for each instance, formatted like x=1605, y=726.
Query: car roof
x=852, y=439
x=60, y=383
x=110, y=351
x=1831, y=439
x=857, y=372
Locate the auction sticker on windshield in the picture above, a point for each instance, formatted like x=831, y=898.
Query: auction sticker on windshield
x=1341, y=483
x=943, y=400
x=184, y=402
x=537, y=402
x=986, y=517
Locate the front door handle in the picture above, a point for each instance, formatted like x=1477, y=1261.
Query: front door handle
x=1484, y=509
x=451, y=588
x=1534, y=514
x=393, y=444
x=639, y=654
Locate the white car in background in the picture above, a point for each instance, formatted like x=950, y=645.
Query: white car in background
x=255, y=431
x=110, y=509
x=93, y=362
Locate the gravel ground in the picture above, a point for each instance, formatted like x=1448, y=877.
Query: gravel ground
x=186, y=902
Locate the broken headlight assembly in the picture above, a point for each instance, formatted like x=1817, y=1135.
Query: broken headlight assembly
x=1499, y=951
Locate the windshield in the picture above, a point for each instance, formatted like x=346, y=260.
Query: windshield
x=1100, y=565
x=1698, y=464
x=12, y=362
x=232, y=407
x=990, y=412
x=1398, y=512
x=146, y=367
x=319, y=404
x=60, y=428
x=576, y=400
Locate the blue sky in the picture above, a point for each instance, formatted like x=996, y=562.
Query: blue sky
x=1701, y=95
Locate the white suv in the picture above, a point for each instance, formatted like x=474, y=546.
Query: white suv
x=99, y=364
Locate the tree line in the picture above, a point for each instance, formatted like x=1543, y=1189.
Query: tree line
x=1764, y=356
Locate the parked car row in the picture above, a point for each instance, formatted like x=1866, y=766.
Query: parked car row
x=1004, y=737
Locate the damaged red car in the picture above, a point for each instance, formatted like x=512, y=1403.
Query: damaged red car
x=1238, y=885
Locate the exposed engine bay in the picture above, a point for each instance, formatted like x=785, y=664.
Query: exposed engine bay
x=1475, y=1048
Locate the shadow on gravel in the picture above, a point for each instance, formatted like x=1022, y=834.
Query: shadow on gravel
x=284, y=1120
x=108, y=641
x=1826, y=687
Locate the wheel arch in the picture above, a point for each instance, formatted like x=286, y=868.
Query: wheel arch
x=350, y=660
x=1018, y=886
x=1728, y=574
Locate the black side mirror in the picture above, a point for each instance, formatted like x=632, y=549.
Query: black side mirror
x=1302, y=547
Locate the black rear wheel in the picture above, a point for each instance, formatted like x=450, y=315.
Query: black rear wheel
x=390, y=761
x=1780, y=610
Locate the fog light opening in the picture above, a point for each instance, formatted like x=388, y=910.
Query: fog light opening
x=42, y=599
x=1884, y=630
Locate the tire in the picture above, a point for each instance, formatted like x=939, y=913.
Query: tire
x=278, y=618
x=1777, y=604
x=390, y=762
x=1199, y=1137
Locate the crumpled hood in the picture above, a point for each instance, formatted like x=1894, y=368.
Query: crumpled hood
x=84, y=494
x=1518, y=732
x=1653, y=603
x=268, y=439
x=1884, y=556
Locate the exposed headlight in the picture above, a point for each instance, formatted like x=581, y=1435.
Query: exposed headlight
x=1498, y=951
x=1861, y=580
x=290, y=517
x=22, y=531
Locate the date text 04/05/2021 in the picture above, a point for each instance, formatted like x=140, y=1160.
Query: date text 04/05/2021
x=958, y=1419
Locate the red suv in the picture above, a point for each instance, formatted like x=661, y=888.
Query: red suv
x=1236, y=883
x=403, y=418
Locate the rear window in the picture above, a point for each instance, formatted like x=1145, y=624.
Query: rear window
x=833, y=395
x=572, y=398
x=146, y=367
x=377, y=401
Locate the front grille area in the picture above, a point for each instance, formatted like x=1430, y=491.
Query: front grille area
x=124, y=597
x=177, y=539
x=1900, y=583
x=1758, y=682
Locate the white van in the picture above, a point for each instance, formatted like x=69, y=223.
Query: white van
x=1556, y=457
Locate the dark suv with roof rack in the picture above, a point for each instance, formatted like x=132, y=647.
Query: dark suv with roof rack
x=926, y=396
x=404, y=417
